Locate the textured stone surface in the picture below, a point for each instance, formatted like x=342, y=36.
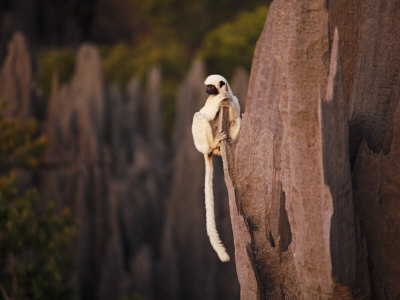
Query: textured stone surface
x=290, y=168
x=349, y=266
x=374, y=127
x=315, y=171
x=345, y=16
x=240, y=84
x=372, y=65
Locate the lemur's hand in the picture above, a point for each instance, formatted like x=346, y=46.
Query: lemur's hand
x=220, y=97
x=225, y=103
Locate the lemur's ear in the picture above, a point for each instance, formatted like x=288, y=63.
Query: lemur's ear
x=221, y=84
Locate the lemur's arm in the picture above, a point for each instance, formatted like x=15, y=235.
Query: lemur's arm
x=234, y=115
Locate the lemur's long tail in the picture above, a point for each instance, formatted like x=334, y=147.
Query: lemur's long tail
x=210, y=216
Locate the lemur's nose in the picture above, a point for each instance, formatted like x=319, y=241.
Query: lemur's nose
x=211, y=90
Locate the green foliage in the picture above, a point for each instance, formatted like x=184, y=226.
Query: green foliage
x=34, y=247
x=19, y=147
x=188, y=21
x=35, y=244
x=232, y=44
x=56, y=62
x=121, y=63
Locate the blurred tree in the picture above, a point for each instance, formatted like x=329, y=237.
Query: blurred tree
x=121, y=62
x=35, y=244
x=188, y=22
x=117, y=21
x=66, y=23
x=232, y=44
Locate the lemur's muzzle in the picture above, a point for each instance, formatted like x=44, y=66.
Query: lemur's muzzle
x=211, y=90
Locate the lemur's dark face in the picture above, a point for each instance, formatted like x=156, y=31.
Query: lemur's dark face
x=212, y=90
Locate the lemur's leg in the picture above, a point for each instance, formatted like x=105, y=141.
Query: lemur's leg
x=203, y=137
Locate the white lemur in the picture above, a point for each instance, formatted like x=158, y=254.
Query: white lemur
x=207, y=140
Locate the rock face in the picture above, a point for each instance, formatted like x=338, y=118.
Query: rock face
x=373, y=108
x=313, y=178
x=240, y=84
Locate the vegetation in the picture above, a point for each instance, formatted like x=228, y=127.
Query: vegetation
x=56, y=62
x=35, y=244
x=232, y=44
x=121, y=62
x=188, y=22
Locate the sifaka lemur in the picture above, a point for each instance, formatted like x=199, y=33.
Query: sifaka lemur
x=207, y=140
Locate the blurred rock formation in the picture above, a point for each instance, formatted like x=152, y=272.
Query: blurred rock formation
x=16, y=78
x=108, y=171
x=141, y=210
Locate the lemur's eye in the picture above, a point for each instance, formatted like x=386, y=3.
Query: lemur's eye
x=221, y=84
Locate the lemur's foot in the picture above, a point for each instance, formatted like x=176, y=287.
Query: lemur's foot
x=221, y=136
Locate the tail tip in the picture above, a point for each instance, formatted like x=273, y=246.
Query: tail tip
x=224, y=257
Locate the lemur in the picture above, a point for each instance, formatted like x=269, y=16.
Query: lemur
x=207, y=140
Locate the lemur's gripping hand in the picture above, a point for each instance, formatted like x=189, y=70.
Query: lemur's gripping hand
x=218, y=138
x=222, y=96
x=225, y=103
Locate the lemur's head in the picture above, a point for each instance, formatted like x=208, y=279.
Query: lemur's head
x=215, y=84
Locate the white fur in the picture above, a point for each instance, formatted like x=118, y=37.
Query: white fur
x=207, y=143
x=210, y=217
